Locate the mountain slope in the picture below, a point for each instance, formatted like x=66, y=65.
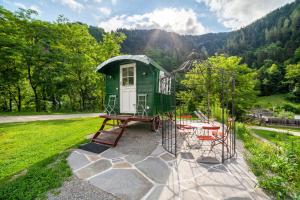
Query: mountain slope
x=275, y=36
x=268, y=45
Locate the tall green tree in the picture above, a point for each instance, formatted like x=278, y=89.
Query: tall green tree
x=12, y=75
x=293, y=77
x=51, y=66
x=204, y=84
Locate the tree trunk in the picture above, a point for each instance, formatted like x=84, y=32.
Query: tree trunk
x=82, y=97
x=71, y=101
x=80, y=104
x=19, y=99
x=59, y=104
x=44, y=100
x=36, y=100
x=54, y=104
x=10, y=102
x=83, y=103
x=4, y=104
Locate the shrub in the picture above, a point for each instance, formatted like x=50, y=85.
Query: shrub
x=291, y=108
x=285, y=114
x=277, y=169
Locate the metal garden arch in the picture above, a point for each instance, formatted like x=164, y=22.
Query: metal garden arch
x=211, y=92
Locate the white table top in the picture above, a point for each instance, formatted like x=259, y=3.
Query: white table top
x=200, y=125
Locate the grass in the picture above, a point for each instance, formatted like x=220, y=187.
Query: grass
x=32, y=155
x=273, y=101
x=38, y=113
x=281, y=139
x=277, y=169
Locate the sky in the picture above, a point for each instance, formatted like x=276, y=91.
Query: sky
x=186, y=17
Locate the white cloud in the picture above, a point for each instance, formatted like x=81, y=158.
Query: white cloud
x=36, y=8
x=114, y=2
x=104, y=11
x=19, y=5
x=33, y=7
x=72, y=4
x=238, y=13
x=182, y=21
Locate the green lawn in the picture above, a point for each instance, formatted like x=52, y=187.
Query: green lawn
x=37, y=113
x=273, y=100
x=281, y=139
x=38, y=151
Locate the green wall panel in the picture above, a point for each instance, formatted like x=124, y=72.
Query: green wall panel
x=146, y=84
x=112, y=78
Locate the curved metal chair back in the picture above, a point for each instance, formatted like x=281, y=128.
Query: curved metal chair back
x=141, y=107
x=110, y=108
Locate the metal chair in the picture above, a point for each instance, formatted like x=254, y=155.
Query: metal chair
x=141, y=107
x=216, y=137
x=185, y=129
x=201, y=116
x=111, y=105
x=221, y=137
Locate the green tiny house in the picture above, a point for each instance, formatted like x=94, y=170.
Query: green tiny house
x=138, y=84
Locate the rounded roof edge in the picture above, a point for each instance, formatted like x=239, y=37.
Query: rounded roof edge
x=142, y=58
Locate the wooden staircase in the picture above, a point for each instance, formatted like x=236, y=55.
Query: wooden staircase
x=110, y=137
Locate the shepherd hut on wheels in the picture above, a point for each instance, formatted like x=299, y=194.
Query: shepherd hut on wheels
x=135, y=89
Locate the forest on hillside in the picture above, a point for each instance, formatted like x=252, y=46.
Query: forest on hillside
x=51, y=66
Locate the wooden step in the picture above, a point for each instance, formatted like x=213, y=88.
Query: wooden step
x=113, y=132
x=111, y=137
x=105, y=142
x=107, y=137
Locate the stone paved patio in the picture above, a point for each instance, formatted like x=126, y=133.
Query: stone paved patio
x=139, y=168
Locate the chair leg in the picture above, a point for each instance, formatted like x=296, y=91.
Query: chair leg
x=212, y=144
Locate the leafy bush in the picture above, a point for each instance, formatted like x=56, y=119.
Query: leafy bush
x=293, y=98
x=284, y=114
x=291, y=108
x=277, y=169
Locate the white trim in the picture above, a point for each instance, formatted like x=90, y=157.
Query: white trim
x=131, y=108
x=141, y=58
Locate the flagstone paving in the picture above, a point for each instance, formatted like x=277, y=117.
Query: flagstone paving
x=139, y=168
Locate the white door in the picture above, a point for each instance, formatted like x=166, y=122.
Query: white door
x=128, y=88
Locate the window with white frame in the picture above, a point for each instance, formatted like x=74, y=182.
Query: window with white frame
x=164, y=83
x=127, y=76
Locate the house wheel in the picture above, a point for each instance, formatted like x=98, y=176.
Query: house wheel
x=155, y=123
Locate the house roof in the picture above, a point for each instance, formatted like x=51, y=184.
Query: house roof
x=141, y=58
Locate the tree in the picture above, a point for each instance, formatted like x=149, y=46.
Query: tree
x=203, y=83
x=82, y=53
x=293, y=77
x=56, y=61
x=169, y=62
x=12, y=75
x=271, y=78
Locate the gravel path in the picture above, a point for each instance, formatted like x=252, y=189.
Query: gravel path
x=29, y=118
x=275, y=130
x=79, y=190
